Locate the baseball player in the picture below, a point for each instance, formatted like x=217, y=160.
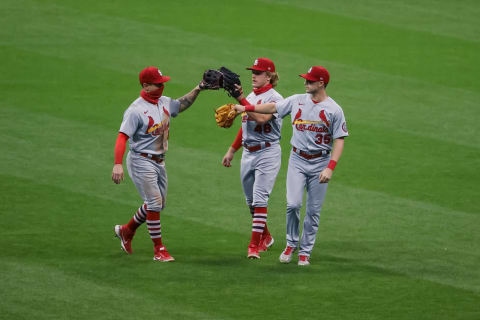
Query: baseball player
x=319, y=129
x=146, y=125
x=260, y=136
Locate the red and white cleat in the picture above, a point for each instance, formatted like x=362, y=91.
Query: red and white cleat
x=266, y=243
x=303, y=260
x=125, y=236
x=287, y=254
x=253, y=252
x=161, y=254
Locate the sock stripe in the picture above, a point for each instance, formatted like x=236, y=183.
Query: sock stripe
x=154, y=227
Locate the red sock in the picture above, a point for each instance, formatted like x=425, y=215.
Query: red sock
x=154, y=227
x=258, y=225
x=266, y=233
x=138, y=218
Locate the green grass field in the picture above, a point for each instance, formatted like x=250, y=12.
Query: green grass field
x=399, y=234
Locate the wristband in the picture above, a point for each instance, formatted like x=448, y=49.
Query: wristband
x=250, y=108
x=332, y=164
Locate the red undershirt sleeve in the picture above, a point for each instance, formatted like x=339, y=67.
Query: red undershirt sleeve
x=238, y=140
x=244, y=102
x=120, y=147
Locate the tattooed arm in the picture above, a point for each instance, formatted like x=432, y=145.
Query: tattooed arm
x=188, y=99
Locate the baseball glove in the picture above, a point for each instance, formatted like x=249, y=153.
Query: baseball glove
x=225, y=115
x=230, y=79
x=212, y=80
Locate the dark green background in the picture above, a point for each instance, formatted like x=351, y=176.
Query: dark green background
x=399, y=232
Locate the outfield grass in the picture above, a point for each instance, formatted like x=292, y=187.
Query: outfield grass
x=399, y=232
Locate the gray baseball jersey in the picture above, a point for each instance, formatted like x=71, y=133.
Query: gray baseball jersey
x=254, y=133
x=315, y=125
x=148, y=125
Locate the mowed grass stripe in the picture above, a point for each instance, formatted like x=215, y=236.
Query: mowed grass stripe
x=92, y=158
x=415, y=113
x=452, y=19
x=229, y=217
x=411, y=161
x=206, y=279
x=397, y=234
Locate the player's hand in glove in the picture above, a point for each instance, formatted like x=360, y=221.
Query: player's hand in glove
x=225, y=115
x=212, y=80
x=230, y=79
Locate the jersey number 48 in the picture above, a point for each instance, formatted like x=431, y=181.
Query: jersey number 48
x=266, y=128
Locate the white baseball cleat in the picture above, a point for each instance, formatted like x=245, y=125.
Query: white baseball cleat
x=303, y=260
x=287, y=254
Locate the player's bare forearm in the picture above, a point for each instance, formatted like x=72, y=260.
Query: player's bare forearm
x=188, y=99
x=266, y=108
x=337, y=149
x=259, y=117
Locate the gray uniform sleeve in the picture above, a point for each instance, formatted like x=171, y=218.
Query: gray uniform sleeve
x=130, y=123
x=284, y=107
x=339, y=125
x=174, y=107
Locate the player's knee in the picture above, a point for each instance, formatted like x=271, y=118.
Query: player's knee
x=260, y=199
x=294, y=205
x=263, y=203
x=155, y=204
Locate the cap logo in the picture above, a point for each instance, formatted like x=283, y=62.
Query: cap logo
x=310, y=70
x=160, y=73
x=256, y=62
x=269, y=68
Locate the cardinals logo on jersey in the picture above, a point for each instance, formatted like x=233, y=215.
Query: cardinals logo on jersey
x=150, y=124
x=308, y=125
x=297, y=116
x=324, y=118
x=155, y=129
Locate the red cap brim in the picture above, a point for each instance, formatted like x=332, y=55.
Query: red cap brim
x=163, y=79
x=307, y=77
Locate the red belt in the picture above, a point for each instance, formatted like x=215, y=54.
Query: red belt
x=157, y=159
x=257, y=147
x=310, y=156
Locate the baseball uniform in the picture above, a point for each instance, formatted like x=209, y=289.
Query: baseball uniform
x=315, y=126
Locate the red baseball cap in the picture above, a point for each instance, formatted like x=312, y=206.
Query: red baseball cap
x=152, y=75
x=316, y=73
x=263, y=64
